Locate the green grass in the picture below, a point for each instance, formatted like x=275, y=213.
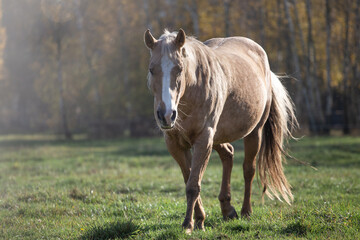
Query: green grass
x=131, y=188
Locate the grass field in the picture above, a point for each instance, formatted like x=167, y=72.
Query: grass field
x=132, y=188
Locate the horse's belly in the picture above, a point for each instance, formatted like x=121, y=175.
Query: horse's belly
x=238, y=119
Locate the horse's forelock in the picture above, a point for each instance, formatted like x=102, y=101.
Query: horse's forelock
x=167, y=40
x=167, y=47
x=168, y=35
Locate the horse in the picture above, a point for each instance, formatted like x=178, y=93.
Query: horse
x=209, y=94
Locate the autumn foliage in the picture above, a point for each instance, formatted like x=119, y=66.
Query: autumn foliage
x=75, y=66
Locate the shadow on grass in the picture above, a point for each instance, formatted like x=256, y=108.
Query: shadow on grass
x=238, y=228
x=297, y=228
x=129, y=230
x=112, y=230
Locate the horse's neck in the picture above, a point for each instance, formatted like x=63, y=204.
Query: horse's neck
x=203, y=64
x=206, y=79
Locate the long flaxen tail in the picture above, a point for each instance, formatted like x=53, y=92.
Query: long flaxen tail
x=278, y=127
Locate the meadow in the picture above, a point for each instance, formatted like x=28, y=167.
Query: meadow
x=132, y=188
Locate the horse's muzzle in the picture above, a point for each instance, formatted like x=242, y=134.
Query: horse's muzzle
x=166, y=119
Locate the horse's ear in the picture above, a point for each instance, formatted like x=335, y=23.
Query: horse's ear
x=180, y=38
x=149, y=40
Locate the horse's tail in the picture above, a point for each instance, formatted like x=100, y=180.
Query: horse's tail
x=277, y=127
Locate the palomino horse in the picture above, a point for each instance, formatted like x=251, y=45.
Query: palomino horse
x=209, y=94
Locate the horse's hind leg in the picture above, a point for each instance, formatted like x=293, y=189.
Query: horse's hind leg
x=252, y=144
x=183, y=158
x=226, y=153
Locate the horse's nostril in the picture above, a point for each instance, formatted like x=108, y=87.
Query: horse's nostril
x=173, y=116
x=159, y=115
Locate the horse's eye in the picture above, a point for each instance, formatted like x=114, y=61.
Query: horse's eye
x=151, y=70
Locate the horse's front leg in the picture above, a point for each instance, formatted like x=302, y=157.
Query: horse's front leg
x=183, y=157
x=226, y=153
x=202, y=150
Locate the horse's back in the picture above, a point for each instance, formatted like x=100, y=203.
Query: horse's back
x=231, y=42
x=239, y=46
x=213, y=42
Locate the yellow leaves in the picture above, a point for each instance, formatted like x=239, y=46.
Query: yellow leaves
x=106, y=55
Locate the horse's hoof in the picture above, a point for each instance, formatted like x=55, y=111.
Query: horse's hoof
x=246, y=213
x=188, y=231
x=232, y=215
x=200, y=226
x=188, y=226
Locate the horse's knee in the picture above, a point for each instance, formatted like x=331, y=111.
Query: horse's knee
x=192, y=190
x=224, y=197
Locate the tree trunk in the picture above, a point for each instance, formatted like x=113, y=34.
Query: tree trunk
x=346, y=128
x=227, y=4
x=295, y=58
x=311, y=73
x=315, y=104
x=312, y=69
x=329, y=98
x=279, y=56
x=356, y=71
x=62, y=106
x=83, y=41
x=124, y=67
x=147, y=15
x=193, y=9
x=262, y=23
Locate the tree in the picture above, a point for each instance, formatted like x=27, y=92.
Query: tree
x=19, y=100
x=82, y=65
x=58, y=35
x=2, y=45
x=227, y=5
x=84, y=47
x=192, y=7
x=355, y=96
x=346, y=128
x=329, y=100
x=302, y=90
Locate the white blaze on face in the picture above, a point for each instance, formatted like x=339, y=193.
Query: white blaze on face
x=167, y=65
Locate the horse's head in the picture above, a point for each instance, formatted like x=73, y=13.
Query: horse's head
x=166, y=76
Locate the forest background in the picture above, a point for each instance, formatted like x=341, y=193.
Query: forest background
x=75, y=66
